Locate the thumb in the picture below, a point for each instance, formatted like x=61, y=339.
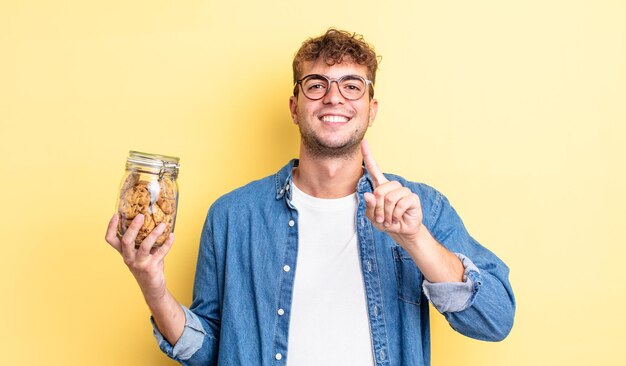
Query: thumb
x=370, y=204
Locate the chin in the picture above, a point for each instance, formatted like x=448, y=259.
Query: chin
x=331, y=149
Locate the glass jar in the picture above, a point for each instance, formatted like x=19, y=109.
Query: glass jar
x=148, y=187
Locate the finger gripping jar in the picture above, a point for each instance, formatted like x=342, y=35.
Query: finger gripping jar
x=148, y=187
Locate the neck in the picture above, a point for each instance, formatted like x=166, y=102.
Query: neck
x=328, y=177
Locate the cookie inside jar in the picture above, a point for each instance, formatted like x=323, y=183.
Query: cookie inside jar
x=149, y=188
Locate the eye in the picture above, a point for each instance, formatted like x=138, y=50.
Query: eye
x=315, y=85
x=352, y=86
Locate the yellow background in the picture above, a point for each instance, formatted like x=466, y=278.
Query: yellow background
x=516, y=110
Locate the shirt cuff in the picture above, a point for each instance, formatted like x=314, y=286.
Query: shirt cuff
x=188, y=343
x=449, y=297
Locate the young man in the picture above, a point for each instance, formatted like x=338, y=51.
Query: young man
x=329, y=261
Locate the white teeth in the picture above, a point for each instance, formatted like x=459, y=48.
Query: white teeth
x=334, y=119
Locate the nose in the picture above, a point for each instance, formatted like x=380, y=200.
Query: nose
x=333, y=95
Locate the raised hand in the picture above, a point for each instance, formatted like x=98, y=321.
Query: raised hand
x=146, y=263
x=391, y=208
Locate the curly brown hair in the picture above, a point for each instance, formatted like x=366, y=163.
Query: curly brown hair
x=337, y=46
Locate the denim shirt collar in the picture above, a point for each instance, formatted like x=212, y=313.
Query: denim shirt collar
x=283, y=180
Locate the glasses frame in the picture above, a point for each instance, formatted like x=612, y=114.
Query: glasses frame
x=368, y=83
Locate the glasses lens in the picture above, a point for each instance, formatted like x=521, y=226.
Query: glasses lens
x=314, y=86
x=352, y=87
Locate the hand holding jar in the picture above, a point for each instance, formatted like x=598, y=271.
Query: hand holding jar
x=142, y=228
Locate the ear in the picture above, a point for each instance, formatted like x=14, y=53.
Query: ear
x=373, y=111
x=293, y=108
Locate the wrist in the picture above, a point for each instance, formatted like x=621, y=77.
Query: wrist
x=154, y=295
x=413, y=241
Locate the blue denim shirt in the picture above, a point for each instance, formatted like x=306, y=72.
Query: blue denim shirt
x=247, y=263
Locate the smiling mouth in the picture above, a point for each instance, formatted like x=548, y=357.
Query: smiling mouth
x=334, y=119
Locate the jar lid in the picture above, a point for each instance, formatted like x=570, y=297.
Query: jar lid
x=153, y=160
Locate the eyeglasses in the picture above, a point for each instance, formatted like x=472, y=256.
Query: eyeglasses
x=316, y=86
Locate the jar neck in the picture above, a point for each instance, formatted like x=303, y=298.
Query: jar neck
x=152, y=164
x=160, y=171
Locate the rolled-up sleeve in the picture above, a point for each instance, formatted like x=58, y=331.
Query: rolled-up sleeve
x=449, y=297
x=188, y=343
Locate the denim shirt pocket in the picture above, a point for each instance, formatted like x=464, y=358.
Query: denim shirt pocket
x=409, y=278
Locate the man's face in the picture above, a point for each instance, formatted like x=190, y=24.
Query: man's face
x=332, y=126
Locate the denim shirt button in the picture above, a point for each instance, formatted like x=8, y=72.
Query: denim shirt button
x=281, y=312
x=292, y=223
x=278, y=356
x=368, y=264
x=286, y=268
x=287, y=187
x=382, y=354
x=375, y=310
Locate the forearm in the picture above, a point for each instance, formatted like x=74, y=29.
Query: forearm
x=436, y=263
x=168, y=315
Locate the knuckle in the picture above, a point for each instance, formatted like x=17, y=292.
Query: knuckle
x=110, y=236
x=128, y=241
x=415, y=199
x=136, y=267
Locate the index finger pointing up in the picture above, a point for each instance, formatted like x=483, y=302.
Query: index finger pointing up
x=371, y=165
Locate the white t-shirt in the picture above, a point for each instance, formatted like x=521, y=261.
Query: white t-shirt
x=329, y=324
